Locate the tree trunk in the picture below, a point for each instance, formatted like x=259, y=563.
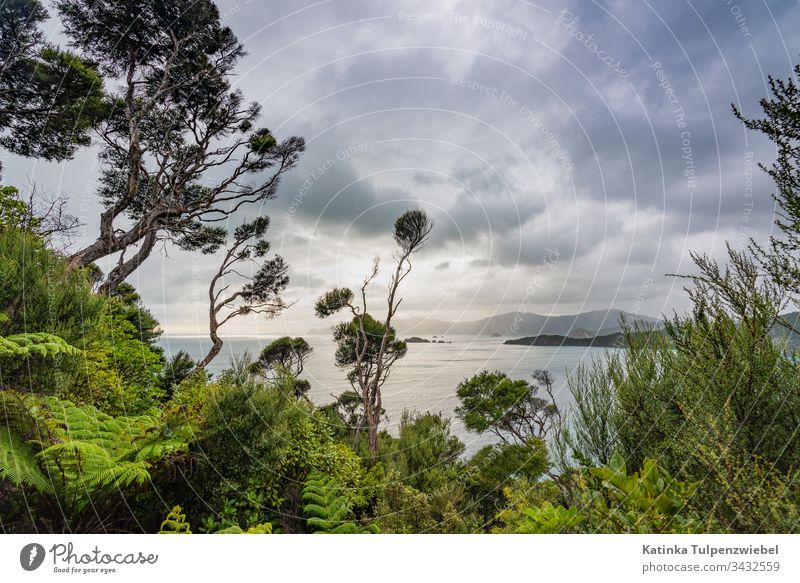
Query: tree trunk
x=213, y=326
x=373, y=441
x=123, y=270
x=216, y=347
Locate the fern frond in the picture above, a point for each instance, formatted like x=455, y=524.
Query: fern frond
x=18, y=462
x=117, y=475
x=324, y=508
x=35, y=344
x=175, y=523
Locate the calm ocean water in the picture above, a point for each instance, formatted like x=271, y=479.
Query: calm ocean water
x=425, y=380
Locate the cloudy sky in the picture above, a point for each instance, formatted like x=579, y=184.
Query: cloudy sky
x=571, y=154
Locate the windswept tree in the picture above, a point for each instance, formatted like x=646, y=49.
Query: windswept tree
x=285, y=355
x=514, y=410
x=181, y=149
x=781, y=124
x=49, y=98
x=288, y=352
x=233, y=292
x=367, y=347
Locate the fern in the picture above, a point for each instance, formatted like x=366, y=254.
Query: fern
x=35, y=344
x=325, y=510
x=265, y=528
x=18, y=462
x=84, y=450
x=175, y=523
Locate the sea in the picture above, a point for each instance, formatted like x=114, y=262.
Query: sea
x=424, y=380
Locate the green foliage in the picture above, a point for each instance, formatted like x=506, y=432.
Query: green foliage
x=265, y=528
x=40, y=293
x=591, y=438
x=175, y=371
x=403, y=509
x=128, y=305
x=116, y=367
x=348, y=338
x=88, y=457
x=549, y=519
x=174, y=64
x=92, y=450
x=715, y=399
x=644, y=502
x=520, y=496
x=18, y=462
x=33, y=344
x=425, y=454
x=259, y=443
x=333, y=301
x=262, y=141
x=511, y=409
x=288, y=352
x=48, y=98
x=14, y=212
x=175, y=523
x=282, y=357
x=325, y=509
x=411, y=230
x=780, y=125
x=495, y=466
x=612, y=501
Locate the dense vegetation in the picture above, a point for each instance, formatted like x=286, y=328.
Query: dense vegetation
x=689, y=429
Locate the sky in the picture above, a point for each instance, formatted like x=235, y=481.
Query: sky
x=571, y=154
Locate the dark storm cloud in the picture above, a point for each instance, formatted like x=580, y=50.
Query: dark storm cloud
x=600, y=130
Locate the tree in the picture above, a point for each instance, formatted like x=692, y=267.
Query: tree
x=288, y=352
x=781, y=125
x=260, y=294
x=368, y=346
x=426, y=452
x=14, y=212
x=716, y=399
x=180, y=145
x=356, y=352
x=129, y=306
x=43, y=216
x=175, y=370
x=49, y=98
x=495, y=466
x=511, y=409
x=38, y=292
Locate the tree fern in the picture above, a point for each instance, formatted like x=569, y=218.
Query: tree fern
x=18, y=462
x=82, y=449
x=35, y=344
x=325, y=510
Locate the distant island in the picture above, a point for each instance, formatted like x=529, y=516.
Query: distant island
x=614, y=340
x=582, y=325
x=418, y=340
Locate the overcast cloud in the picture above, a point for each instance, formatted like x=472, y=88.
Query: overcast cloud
x=567, y=173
